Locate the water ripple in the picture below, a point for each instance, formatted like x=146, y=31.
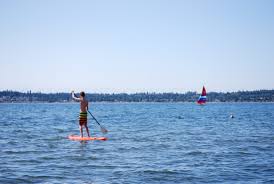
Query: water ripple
x=148, y=143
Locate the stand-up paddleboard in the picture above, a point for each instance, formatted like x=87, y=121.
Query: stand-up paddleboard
x=79, y=138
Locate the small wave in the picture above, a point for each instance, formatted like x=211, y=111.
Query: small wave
x=25, y=118
x=20, y=151
x=161, y=171
x=180, y=117
x=196, y=153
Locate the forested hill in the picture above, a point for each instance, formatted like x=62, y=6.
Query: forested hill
x=240, y=96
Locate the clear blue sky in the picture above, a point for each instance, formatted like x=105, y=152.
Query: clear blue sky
x=136, y=46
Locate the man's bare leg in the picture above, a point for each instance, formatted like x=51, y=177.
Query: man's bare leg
x=81, y=130
x=87, y=130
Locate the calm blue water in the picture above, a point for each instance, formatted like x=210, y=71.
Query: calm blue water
x=148, y=143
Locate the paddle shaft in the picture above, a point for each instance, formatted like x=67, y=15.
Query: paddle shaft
x=94, y=118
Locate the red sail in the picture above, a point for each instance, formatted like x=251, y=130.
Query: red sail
x=204, y=91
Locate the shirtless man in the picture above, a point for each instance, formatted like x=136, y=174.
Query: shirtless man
x=83, y=111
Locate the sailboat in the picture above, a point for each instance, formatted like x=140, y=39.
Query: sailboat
x=202, y=98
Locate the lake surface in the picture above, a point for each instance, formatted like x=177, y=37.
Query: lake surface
x=148, y=143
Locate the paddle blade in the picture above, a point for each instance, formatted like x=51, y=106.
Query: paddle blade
x=104, y=130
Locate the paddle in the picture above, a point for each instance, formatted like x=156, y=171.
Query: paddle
x=103, y=129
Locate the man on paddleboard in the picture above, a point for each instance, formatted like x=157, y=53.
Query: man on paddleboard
x=83, y=120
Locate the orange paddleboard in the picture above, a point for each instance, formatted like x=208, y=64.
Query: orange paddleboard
x=79, y=138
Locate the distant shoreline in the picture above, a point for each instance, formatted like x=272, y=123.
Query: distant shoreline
x=107, y=102
x=188, y=97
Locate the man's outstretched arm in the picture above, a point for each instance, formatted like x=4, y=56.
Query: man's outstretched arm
x=74, y=97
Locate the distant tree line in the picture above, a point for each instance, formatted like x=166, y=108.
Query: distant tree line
x=240, y=96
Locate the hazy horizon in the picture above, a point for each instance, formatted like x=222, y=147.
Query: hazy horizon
x=136, y=46
x=90, y=92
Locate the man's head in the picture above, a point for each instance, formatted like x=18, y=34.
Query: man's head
x=82, y=94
